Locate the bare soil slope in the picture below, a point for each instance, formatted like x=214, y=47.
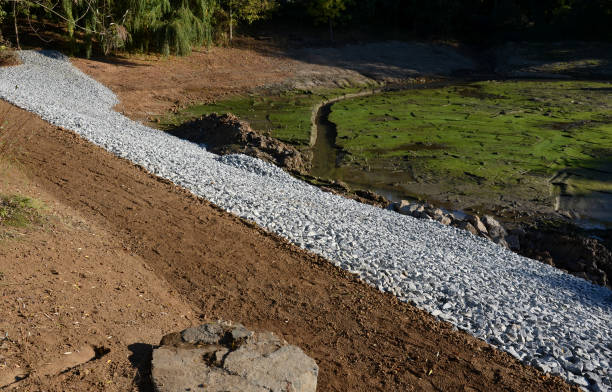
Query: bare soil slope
x=150, y=86
x=144, y=236
x=70, y=290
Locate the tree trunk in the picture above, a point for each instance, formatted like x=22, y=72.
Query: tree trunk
x=231, y=24
x=15, y=22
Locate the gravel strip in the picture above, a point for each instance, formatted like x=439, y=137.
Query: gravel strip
x=539, y=314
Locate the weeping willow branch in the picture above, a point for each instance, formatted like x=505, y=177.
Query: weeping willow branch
x=15, y=23
x=170, y=26
x=51, y=10
x=36, y=32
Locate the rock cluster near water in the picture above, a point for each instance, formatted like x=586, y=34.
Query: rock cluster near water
x=487, y=226
x=227, y=134
x=583, y=257
x=221, y=356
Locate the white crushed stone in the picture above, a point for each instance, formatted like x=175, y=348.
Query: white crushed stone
x=542, y=316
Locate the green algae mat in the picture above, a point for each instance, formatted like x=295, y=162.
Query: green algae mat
x=494, y=133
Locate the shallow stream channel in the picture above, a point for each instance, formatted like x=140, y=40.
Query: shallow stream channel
x=327, y=164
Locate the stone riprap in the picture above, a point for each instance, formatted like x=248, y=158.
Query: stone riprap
x=540, y=315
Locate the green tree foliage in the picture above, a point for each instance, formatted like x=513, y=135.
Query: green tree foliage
x=328, y=11
x=172, y=26
x=176, y=26
x=251, y=10
x=476, y=20
x=169, y=26
x=244, y=11
x=324, y=10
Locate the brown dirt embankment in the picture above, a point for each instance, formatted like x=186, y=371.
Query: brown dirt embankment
x=226, y=134
x=223, y=267
x=149, y=86
x=72, y=293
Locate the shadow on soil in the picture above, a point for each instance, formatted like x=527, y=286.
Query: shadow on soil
x=391, y=60
x=583, y=60
x=140, y=359
x=118, y=60
x=382, y=60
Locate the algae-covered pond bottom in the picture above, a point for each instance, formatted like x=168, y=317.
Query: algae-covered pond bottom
x=489, y=146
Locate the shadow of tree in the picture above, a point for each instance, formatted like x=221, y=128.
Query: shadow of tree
x=111, y=59
x=118, y=60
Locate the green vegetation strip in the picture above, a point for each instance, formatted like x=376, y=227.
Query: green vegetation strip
x=284, y=116
x=495, y=132
x=19, y=211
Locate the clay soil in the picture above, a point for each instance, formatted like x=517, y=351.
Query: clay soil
x=123, y=258
x=148, y=86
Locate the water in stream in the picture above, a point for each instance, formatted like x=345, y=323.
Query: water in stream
x=326, y=164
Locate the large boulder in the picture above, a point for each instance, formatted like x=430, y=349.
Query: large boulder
x=222, y=356
x=465, y=225
x=444, y=219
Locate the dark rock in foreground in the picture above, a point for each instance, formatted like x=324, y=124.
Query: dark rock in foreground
x=222, y=356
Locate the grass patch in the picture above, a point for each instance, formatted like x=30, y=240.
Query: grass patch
x=284, y=116
x=494, y=133
x=19, y=211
